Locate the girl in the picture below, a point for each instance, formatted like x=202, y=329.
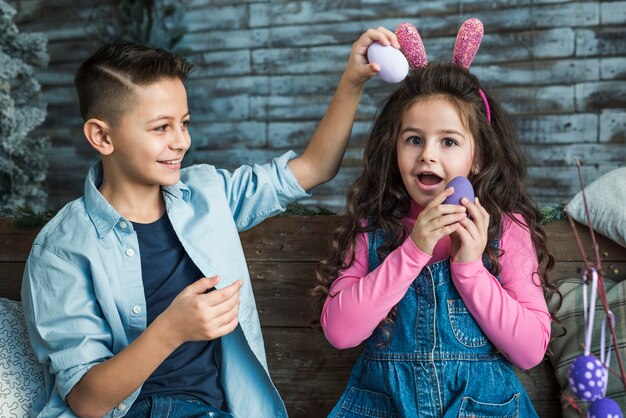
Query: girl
x=446, y=303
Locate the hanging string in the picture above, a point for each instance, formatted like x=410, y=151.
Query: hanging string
x=592, y=311
x=605, y=356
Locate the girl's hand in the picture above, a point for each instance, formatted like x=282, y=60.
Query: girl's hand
x=436, y=221
x=197, y=314
x=358, y=70
x=470, y=240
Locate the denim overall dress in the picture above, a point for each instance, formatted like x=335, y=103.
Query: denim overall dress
x=436, y=361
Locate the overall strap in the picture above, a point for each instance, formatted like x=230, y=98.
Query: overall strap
x=495, y=245
x=374, y=241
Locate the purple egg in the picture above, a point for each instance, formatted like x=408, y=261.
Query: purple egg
x=393, y=64
x=605, y=408
x=587, y=377
x=462, y=188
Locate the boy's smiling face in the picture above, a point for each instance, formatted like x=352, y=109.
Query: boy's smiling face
x=151, y=138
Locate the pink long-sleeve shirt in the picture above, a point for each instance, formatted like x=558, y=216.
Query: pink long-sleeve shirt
x=512, y=313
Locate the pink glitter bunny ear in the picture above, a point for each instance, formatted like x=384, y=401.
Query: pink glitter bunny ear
x=411, y=45
x=467, y=42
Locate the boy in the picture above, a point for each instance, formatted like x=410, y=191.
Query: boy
x=137, y=295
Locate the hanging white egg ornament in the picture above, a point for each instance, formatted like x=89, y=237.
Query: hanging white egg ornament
x=604, y=408
x=588, y=377
x=393, y=64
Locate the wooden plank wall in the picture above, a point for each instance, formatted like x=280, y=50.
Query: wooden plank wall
x=266, y=71
x=281, y=255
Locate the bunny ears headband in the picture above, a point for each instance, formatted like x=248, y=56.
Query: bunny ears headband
x=411, y=46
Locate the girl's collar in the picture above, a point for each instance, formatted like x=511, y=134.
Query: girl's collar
x=414, y=210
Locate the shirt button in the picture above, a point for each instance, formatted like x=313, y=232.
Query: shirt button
x=121, y=406
x=130, y=252
x=123, y=225
x=137, y=309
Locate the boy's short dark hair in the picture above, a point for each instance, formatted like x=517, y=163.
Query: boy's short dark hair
x=105, y=81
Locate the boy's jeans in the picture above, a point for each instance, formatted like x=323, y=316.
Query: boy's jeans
x=168, y=407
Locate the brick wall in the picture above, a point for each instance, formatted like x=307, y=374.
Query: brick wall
x=266, y=71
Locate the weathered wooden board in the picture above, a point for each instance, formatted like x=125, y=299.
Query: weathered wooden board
x=613, y=127
x=600, y=95
x=430, y=17
x=588, y=154
x=282, y=257
x=288, y=239
x=282, y=289
x=601, y=41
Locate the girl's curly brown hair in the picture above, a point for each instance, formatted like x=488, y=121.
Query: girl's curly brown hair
x=379, y=195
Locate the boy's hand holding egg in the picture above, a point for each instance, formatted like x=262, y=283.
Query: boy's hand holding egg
x=393, y=65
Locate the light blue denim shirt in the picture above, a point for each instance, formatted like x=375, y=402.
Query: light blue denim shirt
x=83, y=294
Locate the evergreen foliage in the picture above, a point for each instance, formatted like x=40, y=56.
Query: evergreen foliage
x=157, y=24
x=22, y=161
x=26, y=218
x=553, y=212
x=299, y=209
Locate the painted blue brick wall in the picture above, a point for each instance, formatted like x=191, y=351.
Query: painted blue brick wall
x=266, y=71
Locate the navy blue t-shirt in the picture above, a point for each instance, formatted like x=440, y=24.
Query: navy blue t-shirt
x=191, y=371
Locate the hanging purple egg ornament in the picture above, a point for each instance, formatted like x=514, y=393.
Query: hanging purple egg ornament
x=393, y=64
x=604, y=408
x=588, y=377
x=462, y=188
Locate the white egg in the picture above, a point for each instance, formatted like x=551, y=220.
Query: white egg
x=393, y=64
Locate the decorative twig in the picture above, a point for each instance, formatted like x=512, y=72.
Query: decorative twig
x=598, y=267
x=571, y=403
x=591, y=231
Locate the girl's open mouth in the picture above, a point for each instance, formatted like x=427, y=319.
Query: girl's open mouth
x=429, y=179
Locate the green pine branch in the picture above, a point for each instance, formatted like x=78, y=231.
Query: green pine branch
x=553, y=212
x=300, y=210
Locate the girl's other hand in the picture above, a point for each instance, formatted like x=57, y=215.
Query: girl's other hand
x=436, y=221
x=359, y=70
x=470, y=240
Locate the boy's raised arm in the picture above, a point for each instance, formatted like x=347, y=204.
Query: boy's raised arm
x=322, y=157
